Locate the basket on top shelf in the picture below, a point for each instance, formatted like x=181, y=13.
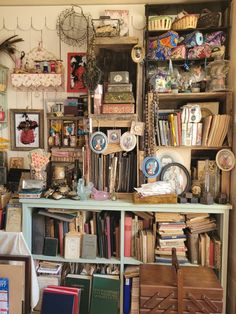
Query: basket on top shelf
x=209, y=19
x=159, y=23
x=185, y=21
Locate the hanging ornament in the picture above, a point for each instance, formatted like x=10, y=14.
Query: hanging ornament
x=98, y=142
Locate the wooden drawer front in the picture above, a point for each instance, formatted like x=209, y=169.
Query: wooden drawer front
x=202, y=306
x=158, y=302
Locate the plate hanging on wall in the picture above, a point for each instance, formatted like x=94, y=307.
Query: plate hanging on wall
x=98, y=142
x=128, y=141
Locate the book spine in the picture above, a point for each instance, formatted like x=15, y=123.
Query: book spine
x=128, y=236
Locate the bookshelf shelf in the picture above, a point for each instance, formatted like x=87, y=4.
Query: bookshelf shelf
x=80, y=260
x=123, y=206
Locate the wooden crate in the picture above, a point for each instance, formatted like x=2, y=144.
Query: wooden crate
x=171, y=289
x=155, y=199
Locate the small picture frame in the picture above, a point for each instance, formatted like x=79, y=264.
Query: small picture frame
x=178, y=177
x=151, y=167
x=114, y=136
x=137, y=53
x=128, y=141
x=76, y=63
x=26, y=129
x=98, y=142
x=16, y=162
x=225, y=160
x=137, y=128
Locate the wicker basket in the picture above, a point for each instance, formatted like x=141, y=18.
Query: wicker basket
x=186, y=22
x=159, y=23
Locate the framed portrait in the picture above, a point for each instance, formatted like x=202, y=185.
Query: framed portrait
x=16, y=162
x=114, y=136
x=26, y=129
x=151, y=167
x=98, y=142
x=128, y=141
x=76, y=62
x=225, y=159
x=178, y=177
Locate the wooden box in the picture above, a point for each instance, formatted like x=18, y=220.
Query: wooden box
x=118, y=108
x=155, y=199
x=165, y=289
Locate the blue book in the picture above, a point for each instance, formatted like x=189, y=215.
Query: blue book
x=57, y=302
x=169, y=237
x=4, y=295
x=127, y=295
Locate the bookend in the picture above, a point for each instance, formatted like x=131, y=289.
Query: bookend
x=207, y=198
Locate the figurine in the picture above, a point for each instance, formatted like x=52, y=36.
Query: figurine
x=99, y=195
x=82, y=190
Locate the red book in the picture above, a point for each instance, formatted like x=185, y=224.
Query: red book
x=61, y=237
x=117, y=237
x=211, y=253
x=128, y=236
x=179, y=127
x=108, y=235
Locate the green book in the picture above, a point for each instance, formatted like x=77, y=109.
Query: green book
x=82, y=282
x=105, y=294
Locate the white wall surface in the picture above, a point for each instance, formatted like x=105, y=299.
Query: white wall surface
x=36, y=23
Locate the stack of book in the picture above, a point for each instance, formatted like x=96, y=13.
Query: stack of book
x=119, y=97
x=170, y=233
x=204, y=246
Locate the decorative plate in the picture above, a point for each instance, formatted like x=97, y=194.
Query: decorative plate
x=98, y=142
x=178, y=176
x=151, y=167
x=225, y=159
x=128, y=141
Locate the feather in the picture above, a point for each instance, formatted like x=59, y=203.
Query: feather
x=8, y=45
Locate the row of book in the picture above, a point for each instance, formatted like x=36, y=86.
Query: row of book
x=75, y=234
x=211, y=131
x=126, y=168
x=83, y=294
x=150, y=238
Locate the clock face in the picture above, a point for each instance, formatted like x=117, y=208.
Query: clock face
x=118, y=78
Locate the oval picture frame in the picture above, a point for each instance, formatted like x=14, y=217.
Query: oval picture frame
x=225, y=159
x=151, y=167
x=137, y=53
x=128, y=141
x=178, y=176
x=98, y=142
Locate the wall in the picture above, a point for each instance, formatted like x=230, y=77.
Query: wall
x=35, y=24
x=231, y=304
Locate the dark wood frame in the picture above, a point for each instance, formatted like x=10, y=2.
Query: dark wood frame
x=26, y=308
x=13, y=113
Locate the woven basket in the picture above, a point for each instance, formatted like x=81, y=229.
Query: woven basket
x=187, y=21
x=159, y=23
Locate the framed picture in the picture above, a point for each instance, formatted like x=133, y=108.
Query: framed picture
x=225, y=159
x=98, y=142
x=151, y=167
x=76, y=62
x=26, y=129
x=16, y=162
x=114, y=136
x=123, y=17
x=178, y=177
x=128, y=141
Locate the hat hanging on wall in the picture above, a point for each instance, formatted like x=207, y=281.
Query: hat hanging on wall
x=72, y=27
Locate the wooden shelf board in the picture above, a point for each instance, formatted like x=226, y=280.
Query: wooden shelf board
x=195, y=147
x=97, y=260
x=113, y=120
x=194, y=96
x=116, y=41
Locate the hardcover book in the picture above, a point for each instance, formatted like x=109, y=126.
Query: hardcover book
x=82, y=282
x=105, y=294
x=89, y=246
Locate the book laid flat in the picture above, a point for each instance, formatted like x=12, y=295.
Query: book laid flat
x=83, y=282
x=105, y=294
x=60, y=216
